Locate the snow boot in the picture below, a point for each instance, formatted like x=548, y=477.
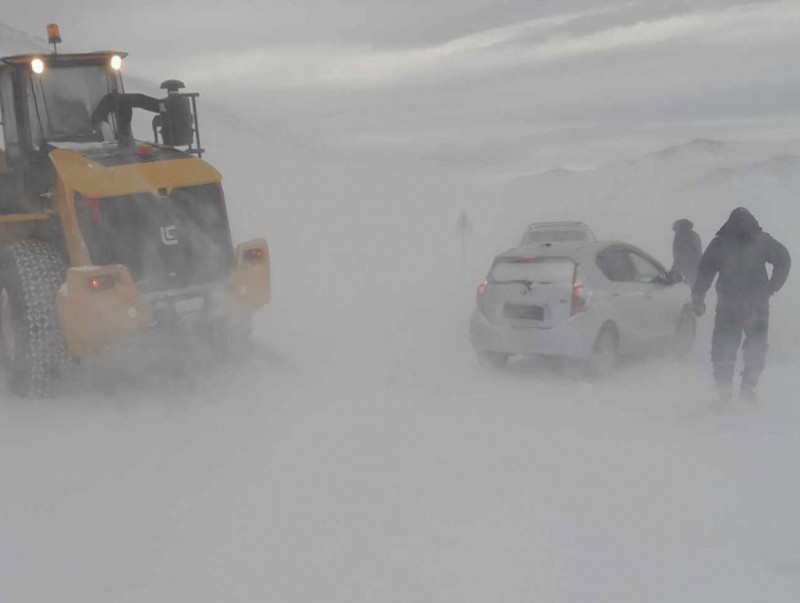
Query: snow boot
x=724, y=391
x=747, y=391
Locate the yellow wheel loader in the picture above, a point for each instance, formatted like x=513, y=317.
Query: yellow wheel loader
x=103, y=235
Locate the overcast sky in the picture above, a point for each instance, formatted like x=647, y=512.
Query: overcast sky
x=510, y=86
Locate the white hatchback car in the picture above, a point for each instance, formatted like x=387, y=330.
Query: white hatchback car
x=590, y=301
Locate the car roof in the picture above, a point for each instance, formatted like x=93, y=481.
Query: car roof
x=578, y=251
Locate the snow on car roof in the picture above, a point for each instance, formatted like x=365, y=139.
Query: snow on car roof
x=560, y=224
x=568, y=249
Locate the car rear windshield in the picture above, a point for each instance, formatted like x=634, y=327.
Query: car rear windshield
x=546, y=271
x=542, y=235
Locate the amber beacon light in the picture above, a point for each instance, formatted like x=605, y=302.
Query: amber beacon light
x=53, y=35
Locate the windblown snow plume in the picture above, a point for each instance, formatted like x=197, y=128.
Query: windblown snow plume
x=356, y=452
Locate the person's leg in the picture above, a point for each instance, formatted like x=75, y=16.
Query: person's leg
x=756, y=344
x=725, y=345
x=690, y=275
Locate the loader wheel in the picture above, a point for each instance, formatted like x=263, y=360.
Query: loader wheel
x=33, y=350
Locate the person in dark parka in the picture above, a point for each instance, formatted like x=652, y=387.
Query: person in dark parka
x=738, y=256
x=687, y=249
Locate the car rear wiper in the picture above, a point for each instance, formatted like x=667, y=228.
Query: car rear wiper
x=527, y=284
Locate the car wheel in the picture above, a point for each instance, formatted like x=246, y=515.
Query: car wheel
x=604, y=355
x=492, y=360
x=685, y=333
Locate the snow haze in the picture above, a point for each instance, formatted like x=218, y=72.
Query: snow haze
x=499, y=88
x=357, y=452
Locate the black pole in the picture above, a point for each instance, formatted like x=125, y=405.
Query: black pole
x=196, y=126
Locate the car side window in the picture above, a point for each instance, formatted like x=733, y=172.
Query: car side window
x=646, y=271
x=616, y=265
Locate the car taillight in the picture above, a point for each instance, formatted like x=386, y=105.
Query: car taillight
x=101, y=282
x=580, y=294
x=479, y=300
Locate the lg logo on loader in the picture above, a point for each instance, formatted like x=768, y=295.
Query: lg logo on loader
x=168, y=235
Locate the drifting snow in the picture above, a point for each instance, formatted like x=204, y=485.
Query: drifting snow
x=357, y=452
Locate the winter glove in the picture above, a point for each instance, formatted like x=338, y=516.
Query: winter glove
x=698, y=307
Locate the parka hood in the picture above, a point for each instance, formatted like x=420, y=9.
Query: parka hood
x=741, y=225
x=682, y=225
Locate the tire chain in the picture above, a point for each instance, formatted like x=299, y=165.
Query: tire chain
x=37, y=269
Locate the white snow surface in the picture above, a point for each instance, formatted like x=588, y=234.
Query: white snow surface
x=357, y=453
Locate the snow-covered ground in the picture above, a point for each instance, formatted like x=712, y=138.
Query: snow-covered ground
x=426, y=481
x=358, y=453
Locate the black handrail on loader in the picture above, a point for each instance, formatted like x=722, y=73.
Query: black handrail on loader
x=176, y=117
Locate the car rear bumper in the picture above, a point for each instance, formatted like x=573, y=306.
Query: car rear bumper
x=573, y=339
x=92, y=318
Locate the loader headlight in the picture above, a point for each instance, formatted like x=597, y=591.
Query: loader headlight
x=116, y=62
x=37, y=66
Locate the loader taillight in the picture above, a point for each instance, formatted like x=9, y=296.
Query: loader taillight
x=253, y=256
x=101, y=282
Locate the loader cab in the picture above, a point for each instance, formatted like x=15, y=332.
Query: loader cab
x=46, y=102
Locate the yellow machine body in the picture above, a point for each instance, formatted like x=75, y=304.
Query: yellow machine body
x=92, y=319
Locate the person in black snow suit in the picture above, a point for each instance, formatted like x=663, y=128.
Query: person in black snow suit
x=687, y=249
x=738, y=256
